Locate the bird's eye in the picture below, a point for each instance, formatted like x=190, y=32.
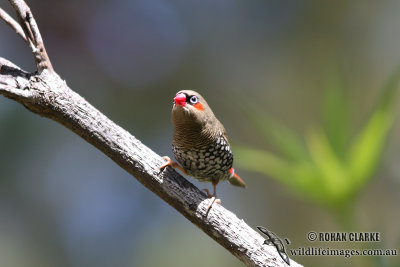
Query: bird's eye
x=193, y=99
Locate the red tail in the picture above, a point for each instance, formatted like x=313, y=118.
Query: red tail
x=235, y=179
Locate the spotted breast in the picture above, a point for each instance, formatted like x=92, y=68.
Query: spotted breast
x=208, y=163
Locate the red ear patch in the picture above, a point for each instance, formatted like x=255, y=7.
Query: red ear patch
x=198, y=106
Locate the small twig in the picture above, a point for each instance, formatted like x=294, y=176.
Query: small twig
x=32, y=36
x=22, y=10
x=13, y=24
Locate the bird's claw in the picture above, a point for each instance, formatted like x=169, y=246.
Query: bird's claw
x=213, y=199
x=168, y=163
x=173, y=164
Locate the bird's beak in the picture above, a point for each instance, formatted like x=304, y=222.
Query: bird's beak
x=180, y=99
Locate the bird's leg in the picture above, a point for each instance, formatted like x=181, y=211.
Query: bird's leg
x=213, y=197
x=173, y=164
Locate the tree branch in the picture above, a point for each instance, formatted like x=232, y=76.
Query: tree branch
x=13, y=24
x=46, y=94
x=31, y=33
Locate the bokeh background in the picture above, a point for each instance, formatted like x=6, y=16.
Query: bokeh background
x=306, y=89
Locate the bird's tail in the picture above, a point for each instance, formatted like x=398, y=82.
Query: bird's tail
x=235, y=179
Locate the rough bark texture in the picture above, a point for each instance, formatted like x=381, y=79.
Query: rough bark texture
x=49, y=96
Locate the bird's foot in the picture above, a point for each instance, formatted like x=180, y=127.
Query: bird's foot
x=173, y=164
x=213, y=199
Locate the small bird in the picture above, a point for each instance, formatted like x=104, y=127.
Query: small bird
x=200, y=143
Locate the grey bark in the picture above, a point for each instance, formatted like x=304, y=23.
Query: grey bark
x=46, y=94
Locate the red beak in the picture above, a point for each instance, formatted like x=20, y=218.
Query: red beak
x=180, y=99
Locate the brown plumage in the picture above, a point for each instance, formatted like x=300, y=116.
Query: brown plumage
x=200, y=143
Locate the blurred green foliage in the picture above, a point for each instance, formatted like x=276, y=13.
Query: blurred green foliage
x=329, y=165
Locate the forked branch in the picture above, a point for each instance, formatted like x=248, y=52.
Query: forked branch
x=28, y=30
x=46, y=94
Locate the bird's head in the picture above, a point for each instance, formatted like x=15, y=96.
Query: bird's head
x=190, y=108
